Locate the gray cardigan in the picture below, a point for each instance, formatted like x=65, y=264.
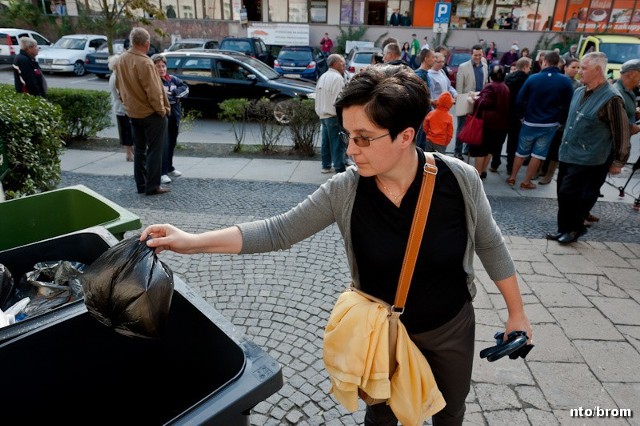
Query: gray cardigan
x=333, y=202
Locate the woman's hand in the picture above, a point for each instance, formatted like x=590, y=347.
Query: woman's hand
x=168, y=237
x=519, y=322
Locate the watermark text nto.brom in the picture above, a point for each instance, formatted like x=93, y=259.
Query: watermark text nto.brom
x=601, y=412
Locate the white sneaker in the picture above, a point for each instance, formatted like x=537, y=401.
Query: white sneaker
x=325, y=171
x=165, y=179
x=175, y=173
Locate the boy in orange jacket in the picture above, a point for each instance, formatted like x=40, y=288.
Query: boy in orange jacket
x=438, y=124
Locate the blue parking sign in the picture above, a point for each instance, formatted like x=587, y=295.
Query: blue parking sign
x=442, y=13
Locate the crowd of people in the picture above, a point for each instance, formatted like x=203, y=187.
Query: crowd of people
x=145, y=100
x=526, y=104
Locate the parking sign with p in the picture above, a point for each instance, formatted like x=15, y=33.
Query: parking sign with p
x=442, y=13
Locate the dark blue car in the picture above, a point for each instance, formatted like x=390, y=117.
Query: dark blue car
x=301, y=62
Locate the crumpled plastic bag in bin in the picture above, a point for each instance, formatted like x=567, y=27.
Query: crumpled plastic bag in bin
x=129, y=289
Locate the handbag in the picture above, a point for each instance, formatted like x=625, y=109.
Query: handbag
x=394, y=311
x=471, y=133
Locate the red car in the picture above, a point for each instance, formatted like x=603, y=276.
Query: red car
x=455, y=57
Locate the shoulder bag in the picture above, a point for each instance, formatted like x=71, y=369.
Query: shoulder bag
x=471, y=133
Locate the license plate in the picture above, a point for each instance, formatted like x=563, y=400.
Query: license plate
x=102, y=61
x=292, y=75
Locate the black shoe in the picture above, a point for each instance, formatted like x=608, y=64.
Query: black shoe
x=458, y=155
x=159, y=190
x=554, y=236
x=571, y=237
x=483, y=175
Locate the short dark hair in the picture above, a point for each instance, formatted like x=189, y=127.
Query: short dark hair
x=393, y=97
x=477, y=47
x=423, y=54
x=552, y=58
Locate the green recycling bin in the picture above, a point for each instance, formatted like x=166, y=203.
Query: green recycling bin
x=61, y=211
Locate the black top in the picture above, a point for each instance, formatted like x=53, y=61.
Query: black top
x=380, y=232
x=28, y=76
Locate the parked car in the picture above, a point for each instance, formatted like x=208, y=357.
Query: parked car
x=214, y=77
x=68, y=54
x=300, y=62
x=454, y=58
x=10, y=46
x=98, y=61
x=618, y=48
x=359, y=58
x=250, y=46
x=193, y=43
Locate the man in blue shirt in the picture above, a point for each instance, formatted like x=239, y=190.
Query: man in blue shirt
x=543, y=103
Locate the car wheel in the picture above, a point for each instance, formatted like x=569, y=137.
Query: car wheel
x=103, y=76
x=78, y=68
x=281, y=111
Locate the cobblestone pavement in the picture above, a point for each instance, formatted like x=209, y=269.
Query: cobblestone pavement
x=583, y=301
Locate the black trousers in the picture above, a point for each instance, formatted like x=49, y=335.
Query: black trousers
x=578, y=189
x=149, y=135
x=512, y=141
x=449, y=349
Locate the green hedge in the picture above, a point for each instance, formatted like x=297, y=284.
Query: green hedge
x=84, y=112
x=30, y=132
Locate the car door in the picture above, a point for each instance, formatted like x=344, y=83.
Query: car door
x=43, y=43
x=263, y=53
x=197, y=73
x=237, y=80
x=320, y=59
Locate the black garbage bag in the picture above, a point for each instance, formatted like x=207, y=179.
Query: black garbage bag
x=129, y=289
x=6, y=284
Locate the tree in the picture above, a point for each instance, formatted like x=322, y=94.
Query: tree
x=112, y=12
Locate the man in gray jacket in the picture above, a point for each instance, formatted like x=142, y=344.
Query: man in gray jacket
x=472, y=76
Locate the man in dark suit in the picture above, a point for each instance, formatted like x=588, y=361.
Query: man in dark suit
x=394, y=19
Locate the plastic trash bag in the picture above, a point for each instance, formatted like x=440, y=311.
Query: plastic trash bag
x=48, y=285
x=6, y=284
x=129, y=289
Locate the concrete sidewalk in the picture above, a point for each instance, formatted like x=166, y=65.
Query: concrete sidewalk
x=583, y=301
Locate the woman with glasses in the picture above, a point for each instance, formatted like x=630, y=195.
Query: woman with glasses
x=373, y=204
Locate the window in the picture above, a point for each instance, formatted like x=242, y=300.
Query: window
x=196, y=66
x=231, y=70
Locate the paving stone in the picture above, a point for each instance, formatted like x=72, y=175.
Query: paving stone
x=573, y=264
x=568, y=385
x=532, y=396
x=605, y=258
x=551, y=344
x=625, y=250
x=624, y=278
x=611, y=361
x=559, y=294
x=496, y=397
x=541, y=417
x=527, y=255
x=573, y=321
x=632, y=334
x=619, y=311
x=504, y=371
x=626, y=397
x=565, y=418
x=506, y=418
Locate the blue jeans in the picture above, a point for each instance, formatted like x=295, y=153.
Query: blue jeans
x=333, y=149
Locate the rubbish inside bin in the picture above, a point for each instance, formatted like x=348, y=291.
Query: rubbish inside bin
x=6, y=284
x=48, y=285
x=129, y=289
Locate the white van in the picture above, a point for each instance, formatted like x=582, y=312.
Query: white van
x=10, y=46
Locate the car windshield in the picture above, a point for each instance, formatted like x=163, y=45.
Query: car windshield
x=260, y=66
x=619, y=53
x=295, y=55
x=459, y=58
x=363, y=58
x=118, y=47
x=70, y=43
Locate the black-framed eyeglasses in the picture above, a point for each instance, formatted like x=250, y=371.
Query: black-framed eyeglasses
x=361, y=141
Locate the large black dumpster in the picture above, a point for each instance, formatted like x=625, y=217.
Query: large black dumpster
x=71, y=369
